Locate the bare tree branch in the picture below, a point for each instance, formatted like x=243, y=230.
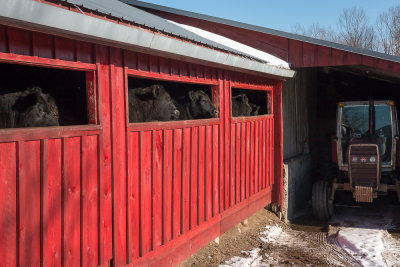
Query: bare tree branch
x=355, y=29
x=388, y=28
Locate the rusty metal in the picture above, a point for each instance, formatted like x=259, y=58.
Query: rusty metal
x=363, y=193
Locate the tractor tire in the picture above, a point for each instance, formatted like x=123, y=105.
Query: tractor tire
x=321, y=205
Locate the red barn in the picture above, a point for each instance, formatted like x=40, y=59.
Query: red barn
x=326, y=73
x=99, y=188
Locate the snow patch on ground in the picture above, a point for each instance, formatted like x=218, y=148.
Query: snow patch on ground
x=252, y=259
x=271, y=233
x=364, y=245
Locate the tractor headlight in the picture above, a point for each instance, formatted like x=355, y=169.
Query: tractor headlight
x=372, y=159
x=354, y=159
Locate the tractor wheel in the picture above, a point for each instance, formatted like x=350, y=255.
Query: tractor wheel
x=321, y=204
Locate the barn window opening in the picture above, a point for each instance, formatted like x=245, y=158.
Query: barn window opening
x=32, y=96
x=156, y=100
x=246, y=102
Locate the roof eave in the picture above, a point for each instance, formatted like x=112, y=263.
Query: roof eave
x=36, y=15
x=288, y=35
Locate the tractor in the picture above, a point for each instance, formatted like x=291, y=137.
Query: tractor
x=364, y=148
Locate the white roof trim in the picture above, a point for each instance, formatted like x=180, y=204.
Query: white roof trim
x=37, y=15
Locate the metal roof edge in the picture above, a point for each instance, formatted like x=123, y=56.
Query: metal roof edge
x=266, y=30
x=37, y=15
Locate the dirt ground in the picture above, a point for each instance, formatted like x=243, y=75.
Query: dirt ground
x=267, y=241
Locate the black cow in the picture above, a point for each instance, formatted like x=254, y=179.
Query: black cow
x=152, y=103
x=254, y=109
x=30, y=108
x=195, y=105
x=240, y=106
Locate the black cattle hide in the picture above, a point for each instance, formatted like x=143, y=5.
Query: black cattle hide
x=30, y=108
x=254, y=109
x=195, y=105
x=240, y=106
x=152, y=103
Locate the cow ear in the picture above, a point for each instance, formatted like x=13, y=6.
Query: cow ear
x=191, y=95
x=153, y=91
x=156, y=91
x=24, y=102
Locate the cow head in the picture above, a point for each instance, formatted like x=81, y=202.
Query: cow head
x=162, y=106
x=254, y=109
x=240, y=106
x=200, y=105
x=34, y=109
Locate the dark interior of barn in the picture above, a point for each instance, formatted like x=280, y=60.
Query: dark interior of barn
x=67, y=87
x=256, y=97
x=309, y=121
x=177, y=90
x=337, y=84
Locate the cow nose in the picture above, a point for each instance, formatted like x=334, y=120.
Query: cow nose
x=216, y=113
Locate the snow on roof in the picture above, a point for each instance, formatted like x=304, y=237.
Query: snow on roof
x=272, y=60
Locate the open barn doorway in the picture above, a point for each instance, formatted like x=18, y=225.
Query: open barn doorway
x=310, y=109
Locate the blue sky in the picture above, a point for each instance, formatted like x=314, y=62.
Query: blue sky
x=283, y=14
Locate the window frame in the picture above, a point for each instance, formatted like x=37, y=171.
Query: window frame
x=269, y=91
x=93, y=92
x=163, y=125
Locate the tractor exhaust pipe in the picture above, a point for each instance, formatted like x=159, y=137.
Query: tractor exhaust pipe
x=371, y=119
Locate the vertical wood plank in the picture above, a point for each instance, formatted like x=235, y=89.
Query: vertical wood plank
x=237, y=161
x=201, y=180
x=194, y=170
x=143, y=62
x=247, y=151
x=134, y=184
x=208, y=177
x=218, y=100
x=90, y=246
x=3, y=39
x=19, y=41
x=256, y=149
x=227, y=113
x=55, y=207
x=84, y=202
x=8, y=204
x=42, y=45
x=64, y=48
x=29, y=203
x=272, y=151
x=186, y=163
x=118, y=133
x=267, y=153
x=262, y=164
x=145, y=191
x=101, y=200
x=167, y=186
x=252, y=177
x=84, y=52
x=243, y=160
x=102, y=56
x=177, y=183
x=72, y=212
x=44, y=185
x=232, y=166
x=215, y=170
x=157, y=188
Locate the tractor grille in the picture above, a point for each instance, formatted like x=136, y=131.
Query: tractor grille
x=364, y=165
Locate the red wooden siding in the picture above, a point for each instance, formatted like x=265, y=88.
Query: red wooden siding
x=140, y=194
